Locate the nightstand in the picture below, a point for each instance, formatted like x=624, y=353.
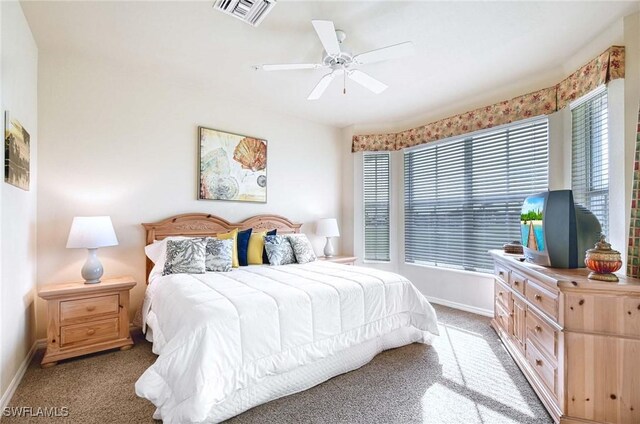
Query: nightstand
x=86, y=318
x=346, y=260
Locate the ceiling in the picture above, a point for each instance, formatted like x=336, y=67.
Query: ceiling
x=462, y=48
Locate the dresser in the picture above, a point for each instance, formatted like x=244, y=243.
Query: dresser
x=86, y=318
x=576, y=340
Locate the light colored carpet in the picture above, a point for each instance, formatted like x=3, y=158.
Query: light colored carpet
x=465, y=377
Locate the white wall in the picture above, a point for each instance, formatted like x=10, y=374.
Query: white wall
x=474, y=291
x=19, y=61
x=123, y=143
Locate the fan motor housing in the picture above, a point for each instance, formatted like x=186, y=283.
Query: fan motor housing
x=342, y=59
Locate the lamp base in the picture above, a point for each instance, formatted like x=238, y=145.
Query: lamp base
x=328, y=248
x=92, y=269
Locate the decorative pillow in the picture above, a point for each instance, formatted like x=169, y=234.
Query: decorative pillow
x=265, y=257
x=279, y=250
x=302, y=248
x=231, y=235
x=185, y=256
x=219, y=256
x=243, y=246
x=256, y=248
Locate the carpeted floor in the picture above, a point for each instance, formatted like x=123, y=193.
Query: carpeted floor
x=465, y=377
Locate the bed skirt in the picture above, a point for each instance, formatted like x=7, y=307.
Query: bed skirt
x=304, y=377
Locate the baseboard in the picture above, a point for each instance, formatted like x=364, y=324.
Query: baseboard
x=15, y=382
x=461, y=306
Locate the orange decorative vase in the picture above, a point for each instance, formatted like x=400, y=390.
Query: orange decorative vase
x=603, y=261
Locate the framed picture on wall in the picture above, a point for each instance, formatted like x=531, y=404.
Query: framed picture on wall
x=232, y=167
x=16, y=153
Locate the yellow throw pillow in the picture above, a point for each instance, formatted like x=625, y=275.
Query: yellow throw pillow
x=256, y=246
x=232, y=235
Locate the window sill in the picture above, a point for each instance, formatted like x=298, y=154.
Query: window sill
x=486, y=274
x=369, y=261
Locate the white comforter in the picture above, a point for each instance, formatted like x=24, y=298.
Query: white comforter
x=218, y=333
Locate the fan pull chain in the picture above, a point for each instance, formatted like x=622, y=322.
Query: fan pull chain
x=344, y=82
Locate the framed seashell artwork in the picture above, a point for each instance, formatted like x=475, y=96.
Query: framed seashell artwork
x=232, y=167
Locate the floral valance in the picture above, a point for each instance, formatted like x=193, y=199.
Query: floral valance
x=606, y=67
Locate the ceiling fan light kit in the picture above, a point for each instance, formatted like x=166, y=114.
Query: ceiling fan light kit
x=342, y=63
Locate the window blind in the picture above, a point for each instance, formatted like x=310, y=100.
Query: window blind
x=464, y=196
x=376, y=206
x=590, y=156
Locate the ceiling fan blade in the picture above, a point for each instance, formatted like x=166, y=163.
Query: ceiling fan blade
x=327, y=34
x=289, y=66
x=385, y=53
x=321, y=86
x=367, y=81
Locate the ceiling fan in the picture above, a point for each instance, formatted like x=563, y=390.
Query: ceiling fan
x=343, y=63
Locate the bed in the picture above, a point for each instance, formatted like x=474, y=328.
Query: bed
x=227, y=342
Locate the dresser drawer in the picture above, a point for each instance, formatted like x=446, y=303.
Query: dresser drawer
x=545, y=369
x=502, y=273
x=503, y=296
x=545, y=336
x=89, y=307
x=503, y=317
x=89, y=333
x=542, y=299
x=518, y=282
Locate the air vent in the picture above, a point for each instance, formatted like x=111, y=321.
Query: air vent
x=249, y=11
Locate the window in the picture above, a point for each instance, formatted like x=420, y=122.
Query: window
x=463, y=196
x=590, y=155
x=376, y=206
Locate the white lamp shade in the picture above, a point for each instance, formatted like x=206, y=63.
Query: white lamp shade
x=327, y=228
x=91, y=232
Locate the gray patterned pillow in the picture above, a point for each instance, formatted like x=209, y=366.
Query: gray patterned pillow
x=219, y=255
x=185, y=256
x=279, y=250
x=302, y=248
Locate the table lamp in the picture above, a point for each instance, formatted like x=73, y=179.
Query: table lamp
x=91, y=232
x=328, y=228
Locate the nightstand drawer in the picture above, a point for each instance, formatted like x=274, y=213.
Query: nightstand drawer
x=90, y=307
x=89, y=333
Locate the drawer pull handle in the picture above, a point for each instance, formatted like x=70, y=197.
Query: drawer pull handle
x=539, y=362
x=538, y=329
x=91, y=308
x=90, y=332
x=538, y=298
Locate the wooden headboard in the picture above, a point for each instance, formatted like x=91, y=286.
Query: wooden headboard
x=202, y=224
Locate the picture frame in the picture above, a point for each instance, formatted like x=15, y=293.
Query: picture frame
x=17, y=153
x=231, y=167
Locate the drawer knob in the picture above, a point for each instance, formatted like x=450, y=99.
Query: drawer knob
x=90, y=332
x=501, y=274
x=500, y=293
x=539, y=362
x=538, y=329
x=516, y=282
x=538, y=297
x=91, y=308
